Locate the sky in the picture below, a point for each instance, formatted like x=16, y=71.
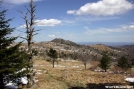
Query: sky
x=76, y=20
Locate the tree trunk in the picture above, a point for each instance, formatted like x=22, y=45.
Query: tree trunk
x=30, y=66
x=1, y=82
x=105, y=70
x=53, y=63
x=85, y=66
x=30, y=80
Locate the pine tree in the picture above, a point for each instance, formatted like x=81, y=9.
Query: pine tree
x=132, y=62
x=123, y=63
x=53, y=54
x=105, y=61
x=11, y=59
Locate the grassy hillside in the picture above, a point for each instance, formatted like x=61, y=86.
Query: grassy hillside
x=71, y=75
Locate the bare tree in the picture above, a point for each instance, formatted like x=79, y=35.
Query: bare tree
x=29, y=18
x=85, y=58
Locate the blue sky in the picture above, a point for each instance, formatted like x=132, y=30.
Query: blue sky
x=77, y=20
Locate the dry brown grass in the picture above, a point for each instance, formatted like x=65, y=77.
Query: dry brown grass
x=64, y=77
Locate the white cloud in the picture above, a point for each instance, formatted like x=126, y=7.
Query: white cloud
x=131, y=27
x=96, y=31
x=45, y=22
x=90, y=19
x=104, y=8
x=19, y=1
x=69, y=21
x=70, y=35
x=128, y=27
x=22, y=26
x=71, y=12
x=108, y=30
x=51, y=36
x=50, y=22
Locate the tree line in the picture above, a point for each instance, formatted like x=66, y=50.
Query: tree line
x=104, y=63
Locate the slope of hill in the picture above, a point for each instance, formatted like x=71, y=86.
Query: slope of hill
x=129, y=49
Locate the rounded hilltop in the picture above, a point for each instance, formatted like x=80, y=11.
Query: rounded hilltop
x=66, y=42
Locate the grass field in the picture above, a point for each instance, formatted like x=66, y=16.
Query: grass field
x=71, y=75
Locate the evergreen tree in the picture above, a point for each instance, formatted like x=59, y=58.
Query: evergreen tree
x=11, y=59
x=123, y=63
x=53, y=54
x=105, y=61
x=132, y=60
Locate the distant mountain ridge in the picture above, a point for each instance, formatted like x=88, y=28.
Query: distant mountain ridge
x=128, y=46
x=107, y=43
